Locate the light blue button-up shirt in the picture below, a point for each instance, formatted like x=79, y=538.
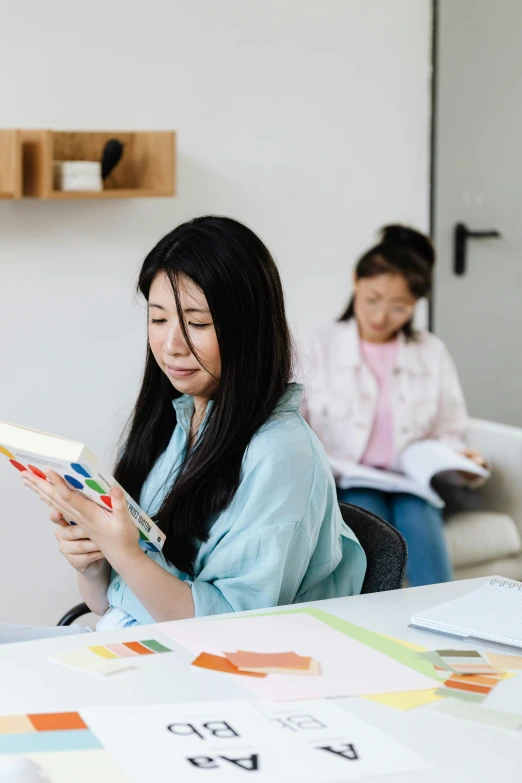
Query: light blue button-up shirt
x=282, y=539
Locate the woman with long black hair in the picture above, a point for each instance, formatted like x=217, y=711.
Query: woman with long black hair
x=216, y=452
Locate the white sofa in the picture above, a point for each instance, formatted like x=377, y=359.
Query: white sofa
x=489, y=541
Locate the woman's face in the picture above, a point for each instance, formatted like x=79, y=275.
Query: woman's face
x=200, y=376
x=382, y=305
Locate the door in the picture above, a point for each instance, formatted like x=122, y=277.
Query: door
x=478, y=183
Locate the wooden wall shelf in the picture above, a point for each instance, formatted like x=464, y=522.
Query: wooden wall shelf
x=146, y=170
x=10, y=164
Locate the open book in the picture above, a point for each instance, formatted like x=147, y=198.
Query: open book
x=28, y=449
x=419, y=463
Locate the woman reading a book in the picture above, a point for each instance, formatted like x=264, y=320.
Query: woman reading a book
x=374, y=385
x=216, y=452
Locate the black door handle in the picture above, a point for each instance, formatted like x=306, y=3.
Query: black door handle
x=462, y=234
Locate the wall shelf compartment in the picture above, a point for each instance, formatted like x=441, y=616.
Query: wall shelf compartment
x=146, y=170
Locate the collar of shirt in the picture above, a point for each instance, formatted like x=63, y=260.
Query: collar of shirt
x=409, y=357
x=184, y=405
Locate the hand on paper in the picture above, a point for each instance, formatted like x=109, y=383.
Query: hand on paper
x=113, y=533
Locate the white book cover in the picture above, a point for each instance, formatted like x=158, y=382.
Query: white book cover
x=419, y=464
x=27, y=449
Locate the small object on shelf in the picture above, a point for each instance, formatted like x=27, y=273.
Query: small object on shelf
x=111, y=156
x=77, y=175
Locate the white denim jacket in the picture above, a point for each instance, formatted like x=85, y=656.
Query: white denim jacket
x=341, y=394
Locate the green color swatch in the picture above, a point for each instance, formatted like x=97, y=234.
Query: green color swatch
x=153, y=644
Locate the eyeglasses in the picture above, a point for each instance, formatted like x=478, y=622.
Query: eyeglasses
x=395, y=311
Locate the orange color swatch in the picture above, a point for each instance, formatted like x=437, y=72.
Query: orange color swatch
x=475, y=683
x=218, y=664
x=137, y=648
x=59, y=721
x=252, y=660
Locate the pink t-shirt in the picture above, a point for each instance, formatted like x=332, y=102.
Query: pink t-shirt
x=380, y=358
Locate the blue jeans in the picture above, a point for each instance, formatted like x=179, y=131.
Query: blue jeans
x=420, y=523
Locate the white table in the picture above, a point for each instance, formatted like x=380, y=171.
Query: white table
x=461, y=751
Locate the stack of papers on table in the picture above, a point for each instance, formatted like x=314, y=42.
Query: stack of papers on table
x=348, y=667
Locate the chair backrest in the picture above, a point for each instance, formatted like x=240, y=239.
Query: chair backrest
x=385, y=548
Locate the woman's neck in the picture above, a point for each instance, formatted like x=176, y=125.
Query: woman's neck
x=374, y=338
x=200, y=408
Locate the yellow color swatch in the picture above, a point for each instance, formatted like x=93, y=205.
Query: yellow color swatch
x=7, y=453
x=407, y=700
x=102, y=651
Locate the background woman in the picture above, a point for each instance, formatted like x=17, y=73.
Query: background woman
x=375, y=385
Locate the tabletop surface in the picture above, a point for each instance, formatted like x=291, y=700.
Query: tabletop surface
x=460, y=750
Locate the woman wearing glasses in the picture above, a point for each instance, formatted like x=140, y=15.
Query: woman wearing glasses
x=375, y=385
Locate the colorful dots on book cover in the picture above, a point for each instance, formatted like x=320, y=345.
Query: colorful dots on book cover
x=39, y=452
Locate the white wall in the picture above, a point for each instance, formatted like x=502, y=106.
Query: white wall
x=307, y=119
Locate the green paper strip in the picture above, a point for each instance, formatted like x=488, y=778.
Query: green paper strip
x=477, y=698
x=374, y=640
x=461, y=709
x=152, y=644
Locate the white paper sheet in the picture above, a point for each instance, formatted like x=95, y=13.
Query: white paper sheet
x=357, y=749
x=348, y=667
x=220, y=741
x=226, y=741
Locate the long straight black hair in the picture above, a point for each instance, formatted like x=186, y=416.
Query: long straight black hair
x=240, y=281
x=401, y=251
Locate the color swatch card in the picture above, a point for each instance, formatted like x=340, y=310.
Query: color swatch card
x=228, y=741
x=107, y=659
x=347, y=666
x=358, y=750
x=465, y=662
x=61, y=745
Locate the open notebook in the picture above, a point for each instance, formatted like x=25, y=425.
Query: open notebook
x=491, y=613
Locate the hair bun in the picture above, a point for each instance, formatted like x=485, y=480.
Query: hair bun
x=409, y=238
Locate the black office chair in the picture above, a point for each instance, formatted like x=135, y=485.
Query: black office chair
x=74, y=613
x=385, y=548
